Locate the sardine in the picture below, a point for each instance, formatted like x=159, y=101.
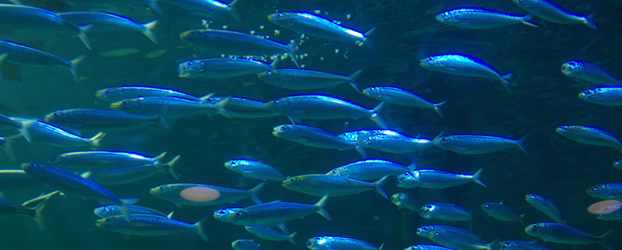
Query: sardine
x=553, y=13
x=481, y=19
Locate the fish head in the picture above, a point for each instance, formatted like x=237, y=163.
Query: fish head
x=572, y=68
x=235, y=165
x=373, y=92
x=276, y=105
x=398, y=198
x=277, y=18
x=487, y=207
x=191, y=36
x=598, y=191
x=588, y=94
x=427, y=211
x=563, y=129
x=406, y=180
x=505, y=245
x=231, y=215
x=162, y=191
x=318, y=243
x=443, y=141
x=446, y=17
x=103, y=94
x=429, y=62
x=618, y=164
x=425, y=231
x=293, y=183
x=187, y=69
x=112, y=222
x=334, y=172
x=281, y=130
x=537, y=230
x=103, y=211
x=30, y=167
x=53, y=117
x=533, y=199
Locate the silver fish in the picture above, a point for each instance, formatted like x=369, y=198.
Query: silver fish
x=435, y=179
x=553, y=13
x=69, y=182
x=110, y=22
x=254, y=169
x=564, y=234
x=427, y=247
x=101, y=119
x=609, y=191
x=428, y=230
x=222, y=68
x=114, y=210
x=322, y=107
x=245, y=244
x=336, y=242
x=172, y=107
x=268, y=233
x=150, y=225
x=116, y=94
x=406, y=201
x=36, y=131
x=207, y=8
x=329, y=185
x=455, y=240
x=39, y=19
x=240, y=107
x=545, y=206
x=236, y=43
x=609, y=96
x=477, y=144
x=370, y=169
x=22, y=54
x=101, y=159
x=519, y=245
x=464, y=66
x=311, y=136
x=399, y=96
x=304, y=79
x=272, y=213
x=589, y=135
x=445, y=211
x=500, y=211
x=481, y=18
x=589, y=72
x=313, y=25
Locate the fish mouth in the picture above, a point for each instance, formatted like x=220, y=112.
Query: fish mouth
x=116, y=105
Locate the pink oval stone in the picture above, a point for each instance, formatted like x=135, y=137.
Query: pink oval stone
x=604, y=207
x=199, y=194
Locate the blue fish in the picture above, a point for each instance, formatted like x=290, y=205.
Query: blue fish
x=207, y=8
x=254, y=169
x=481, y=19
x=36, y=131
x=322, y=107
x=608, y=96
x=114, y=210
x=69, y=182
x=564, y=234
x=110, y=22
x=222, y=68
x=150, y=225
x=271, y=214
x=589, y=72
x=22, y=54
x=399, y=96
x=336, y=242
x=245, y=244
x=544, y=205
x=116, y=94
x=609, y=191
x=304, y=79
x=313, y=25
x=589, y=135
x=101, y=119
x=549, y=11
x=464, y=66
x=445, y=211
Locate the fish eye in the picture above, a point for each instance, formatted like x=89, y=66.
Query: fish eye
x=239, y=214
x=596, y=189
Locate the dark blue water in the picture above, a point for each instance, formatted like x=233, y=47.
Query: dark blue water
x=405, y=31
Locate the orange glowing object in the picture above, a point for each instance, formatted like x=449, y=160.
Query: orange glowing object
x=604, y=207
x=199, y=194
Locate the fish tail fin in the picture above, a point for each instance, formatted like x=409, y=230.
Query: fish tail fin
x=604, y=237
x=274, y=62
x=148, y=30
x=379, y=188
x=7, y=146
x=437, y=108
x=159, y=157
x=292, y=53
x=83, y=37
x=506, y=82
x=200, y=230
x=476, y=178
x=412, y=167
x=74, y=64
x=153, y=4
x=521, y=144
x=361, y=150
x=233, y=12
x=376, y=118
x=24, y=129
x=590, y=22
x=366, y=42
x=320, y=208
x=96, y=139
x=291, y=238
x=256, y=190
x=171, y=167
x=124, y=209
x=353, y=80
x=527, y=21
x=38, y=209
